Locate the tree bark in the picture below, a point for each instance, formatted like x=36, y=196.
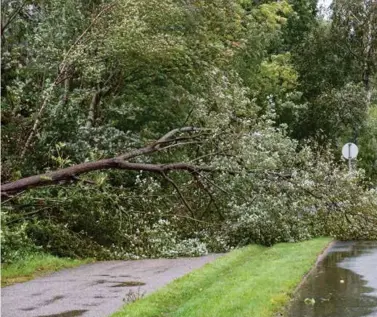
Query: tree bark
x=368, y=53
x=119, y=162
x=92, y=109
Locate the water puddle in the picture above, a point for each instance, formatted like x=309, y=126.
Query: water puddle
x=162, y=270
x=99, y=282
x=53, y=300
x=120, y=283
x=129, y=284
x=91, y=304
x=99, y=296
x=28, y=308
x=71, y=313
x=343, y=285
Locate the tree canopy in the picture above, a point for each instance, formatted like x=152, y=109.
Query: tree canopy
x=164, y=128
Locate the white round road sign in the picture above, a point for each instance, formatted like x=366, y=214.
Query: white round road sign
x=350, y=151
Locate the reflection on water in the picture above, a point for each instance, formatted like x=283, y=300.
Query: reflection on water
x=343, y=285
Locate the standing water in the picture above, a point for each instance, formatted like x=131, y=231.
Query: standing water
x=344, y=284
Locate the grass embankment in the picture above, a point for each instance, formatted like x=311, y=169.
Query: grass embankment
x=35, y=265
x=253, y=281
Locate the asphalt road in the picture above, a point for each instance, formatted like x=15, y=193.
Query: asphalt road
x=93, y=290
x=344, y=284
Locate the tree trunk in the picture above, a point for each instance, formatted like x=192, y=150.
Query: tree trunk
x=92, y=110
x=119, y=162
x=370, y=9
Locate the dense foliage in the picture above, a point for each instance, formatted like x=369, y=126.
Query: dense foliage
x=274, y=90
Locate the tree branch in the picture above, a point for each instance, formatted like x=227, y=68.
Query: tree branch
x=120, y=162
x=179, y=194
x=78, y=40
x=208, y=191
x=13, y=16
x=167, y=138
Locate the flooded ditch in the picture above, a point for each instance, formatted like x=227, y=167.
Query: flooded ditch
x=344, y=284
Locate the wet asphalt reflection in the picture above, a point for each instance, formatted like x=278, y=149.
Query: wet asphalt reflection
x=343, y=285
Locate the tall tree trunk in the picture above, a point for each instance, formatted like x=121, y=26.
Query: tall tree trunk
x=92, y=109
x=368, y=37
x=369, y=47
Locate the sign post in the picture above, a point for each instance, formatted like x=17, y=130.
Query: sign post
x=350, y=151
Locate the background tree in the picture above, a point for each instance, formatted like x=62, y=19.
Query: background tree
x=87, y=84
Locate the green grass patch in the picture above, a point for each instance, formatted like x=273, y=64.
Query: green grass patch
x=254, y=281
x=35, y=265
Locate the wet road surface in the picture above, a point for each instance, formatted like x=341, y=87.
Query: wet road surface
x=93, y=290
x=343, y=285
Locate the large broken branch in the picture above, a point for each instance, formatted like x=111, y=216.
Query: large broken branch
x=120, y=162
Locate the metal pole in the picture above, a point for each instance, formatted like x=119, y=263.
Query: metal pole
x=349, y=158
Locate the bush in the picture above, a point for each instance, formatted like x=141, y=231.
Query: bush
x=14, y=240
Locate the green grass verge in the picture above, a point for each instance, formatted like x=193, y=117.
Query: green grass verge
x=254, y=281
x=35, y=265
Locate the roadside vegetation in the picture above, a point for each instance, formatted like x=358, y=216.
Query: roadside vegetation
x=162, y=128
x=35, y=265
x=251, y=281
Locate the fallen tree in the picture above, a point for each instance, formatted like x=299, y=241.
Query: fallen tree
x=218, y=189
x=122, y=161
